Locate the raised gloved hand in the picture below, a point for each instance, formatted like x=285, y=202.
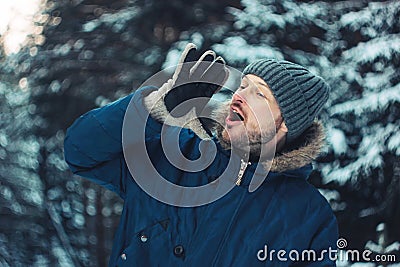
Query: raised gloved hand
x=195, y=80
x=180, y=100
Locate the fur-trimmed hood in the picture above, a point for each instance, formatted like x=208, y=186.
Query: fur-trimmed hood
x=299, y=153
x=303, y=151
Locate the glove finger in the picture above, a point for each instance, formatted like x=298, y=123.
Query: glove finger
x=191, y=55
x=225, y=76
x=214, y=77
x=202, y=64
x=183, y=67
x=216, y=72
x=187, y=54
x=188, y=64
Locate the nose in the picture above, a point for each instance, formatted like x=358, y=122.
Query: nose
x=238, y=98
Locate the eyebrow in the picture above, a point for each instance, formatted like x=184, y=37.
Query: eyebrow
x=269, y=91
x=263, y=84
x=266, y=87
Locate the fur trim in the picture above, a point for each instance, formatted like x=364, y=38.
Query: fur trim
x=154, y=103
x=299, y=153
x=302, y=151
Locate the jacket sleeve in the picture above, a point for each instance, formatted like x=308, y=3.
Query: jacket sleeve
x=93, y=144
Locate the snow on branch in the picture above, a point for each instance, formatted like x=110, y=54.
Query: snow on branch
x=237, y=50
x=260, y=14
x=264, y=14
x=369, y=102
x=379, y=11
x=369, y=155
x=366, y=52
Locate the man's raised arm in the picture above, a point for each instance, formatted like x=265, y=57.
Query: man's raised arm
x=93, y=145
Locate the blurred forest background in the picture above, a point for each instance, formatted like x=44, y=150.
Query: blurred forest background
x=83, y=54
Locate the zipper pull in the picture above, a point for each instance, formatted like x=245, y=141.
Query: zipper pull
x=243, y=166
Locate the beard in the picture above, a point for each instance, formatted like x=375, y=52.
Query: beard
x=246, y=141
x=250, y=142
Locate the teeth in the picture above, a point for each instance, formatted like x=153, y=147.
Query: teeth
x=237, y=113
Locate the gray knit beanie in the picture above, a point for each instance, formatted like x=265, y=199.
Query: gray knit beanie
x=300, y=94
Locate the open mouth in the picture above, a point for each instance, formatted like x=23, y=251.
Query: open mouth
x=234, y=116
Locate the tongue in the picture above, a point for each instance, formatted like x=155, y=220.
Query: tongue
x=235, y=117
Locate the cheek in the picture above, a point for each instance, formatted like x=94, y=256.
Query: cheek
x=276, y=113
x=263, y=123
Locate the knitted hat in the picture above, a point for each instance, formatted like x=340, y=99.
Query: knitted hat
x=300, y=94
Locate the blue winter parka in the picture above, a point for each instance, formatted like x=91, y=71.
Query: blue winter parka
x=285, y=222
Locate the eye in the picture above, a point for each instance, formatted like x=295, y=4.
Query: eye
x=260, y=94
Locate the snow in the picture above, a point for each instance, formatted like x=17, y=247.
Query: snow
x=172, y=59
x=376, y=81
x=369, y=154
x=78, y=220
x=3, y=139
x=337, y=139
x=117, y=21
x=55, y=86
x=63, y=258
x=197, y=38
x=33, y=196
x=6, y=192
x=393, y=247
x=174, y=54
x=263, y=14
x=78, y=45
x=237, y=50
x=360, y=19
x=355, y=19
x=90, y=26
x=305, y=11
x=368, y=51
x=255, y=14
x=372, y=101
x=394, y=142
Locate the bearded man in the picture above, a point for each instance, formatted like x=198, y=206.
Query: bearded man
x=252, y=204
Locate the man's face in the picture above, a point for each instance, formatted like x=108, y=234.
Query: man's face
x=254, y=114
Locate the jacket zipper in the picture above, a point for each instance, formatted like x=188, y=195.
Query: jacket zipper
x=243, y=166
